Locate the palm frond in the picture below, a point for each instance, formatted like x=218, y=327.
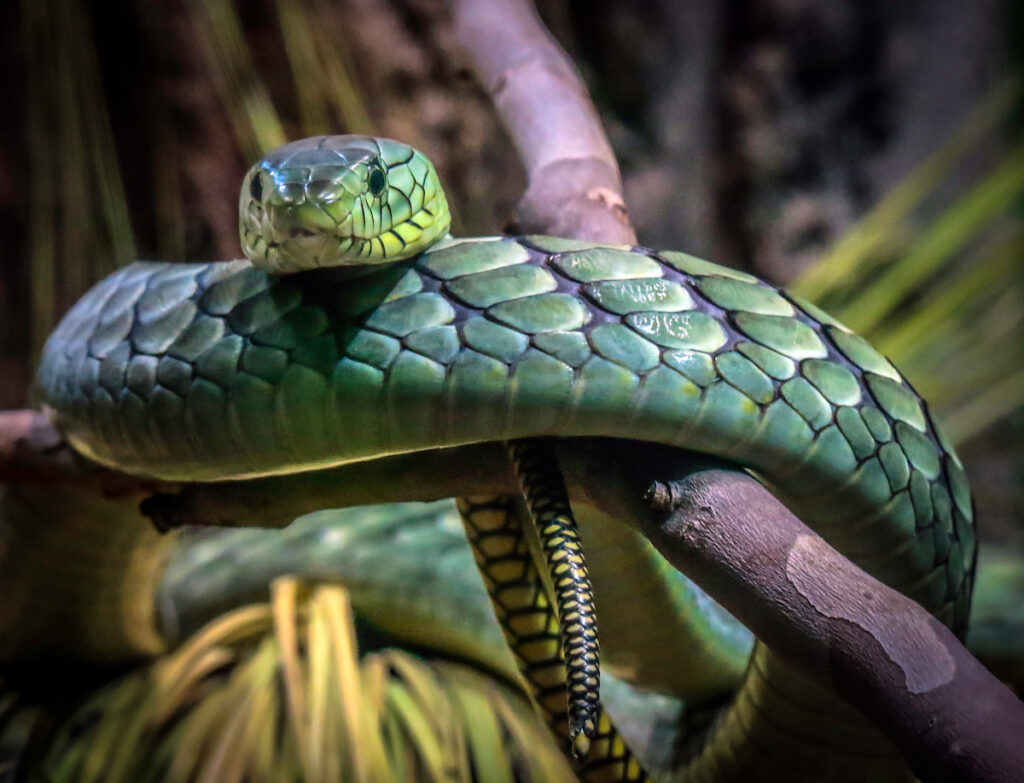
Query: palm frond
x=80, y=227
x=322, y=72
x=277, y=693
x=858, y=251
x=242, y=90
x=942, y=297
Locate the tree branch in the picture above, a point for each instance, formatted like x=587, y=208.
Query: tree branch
x=574, y=187
x=32, y=451
x=30, y=448
x=950, y=717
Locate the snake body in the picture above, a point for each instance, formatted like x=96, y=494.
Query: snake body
x=211, y=371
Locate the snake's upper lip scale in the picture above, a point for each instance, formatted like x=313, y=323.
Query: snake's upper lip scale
x=293, y=234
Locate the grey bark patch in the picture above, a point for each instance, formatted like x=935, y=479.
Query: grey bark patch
x=909, y=641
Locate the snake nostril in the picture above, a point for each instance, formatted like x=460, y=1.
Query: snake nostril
x=256, y=187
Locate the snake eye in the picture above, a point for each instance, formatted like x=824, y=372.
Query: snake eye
x=256, y=187
x=377, y=182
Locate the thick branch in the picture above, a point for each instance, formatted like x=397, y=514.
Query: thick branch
x=950, y=717
x=574, y=185
x=31, y=447
x=275, y=501
x=32, y=451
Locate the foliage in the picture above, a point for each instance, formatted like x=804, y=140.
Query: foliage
x=941, y=296
x=276, y=692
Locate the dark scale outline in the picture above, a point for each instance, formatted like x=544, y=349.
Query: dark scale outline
x=601, y=764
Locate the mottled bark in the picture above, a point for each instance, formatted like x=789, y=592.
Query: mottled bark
x=951, y=718
x=573, y=183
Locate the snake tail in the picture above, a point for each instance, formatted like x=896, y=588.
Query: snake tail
x=610, y=759
x=548, y=502
x=519, y=599
x=494, y=529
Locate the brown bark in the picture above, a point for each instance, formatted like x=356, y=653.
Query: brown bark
x=950, y=717
x=32, y=451
x=574, y=188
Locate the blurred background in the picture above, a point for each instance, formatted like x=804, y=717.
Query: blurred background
x=868, y=154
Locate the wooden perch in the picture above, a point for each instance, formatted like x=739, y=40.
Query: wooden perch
x=574, y=188
x=950, y=717
x=32, y=451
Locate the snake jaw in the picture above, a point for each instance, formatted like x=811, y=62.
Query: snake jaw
x=340, y=200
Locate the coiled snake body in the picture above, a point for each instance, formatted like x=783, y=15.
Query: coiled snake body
x=208, y=371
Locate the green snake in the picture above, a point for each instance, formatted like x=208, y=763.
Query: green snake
x=389, y=337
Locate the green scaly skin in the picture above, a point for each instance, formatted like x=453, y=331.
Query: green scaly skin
x=213, y=371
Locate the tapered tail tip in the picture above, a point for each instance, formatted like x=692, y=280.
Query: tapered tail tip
x=581, y=737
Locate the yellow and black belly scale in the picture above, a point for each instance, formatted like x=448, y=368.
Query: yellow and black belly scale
x=548, y=503
x=526, y=613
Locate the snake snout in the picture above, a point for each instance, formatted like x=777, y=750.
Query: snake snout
x=303, y=221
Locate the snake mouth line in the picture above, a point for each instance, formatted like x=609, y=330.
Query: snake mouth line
x=294, y=233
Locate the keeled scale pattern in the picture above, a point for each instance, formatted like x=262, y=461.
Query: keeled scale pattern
x=548, y=501
x=208, y=370
x=527, y=618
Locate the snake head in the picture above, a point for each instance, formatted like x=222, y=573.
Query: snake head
x=340, y=200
